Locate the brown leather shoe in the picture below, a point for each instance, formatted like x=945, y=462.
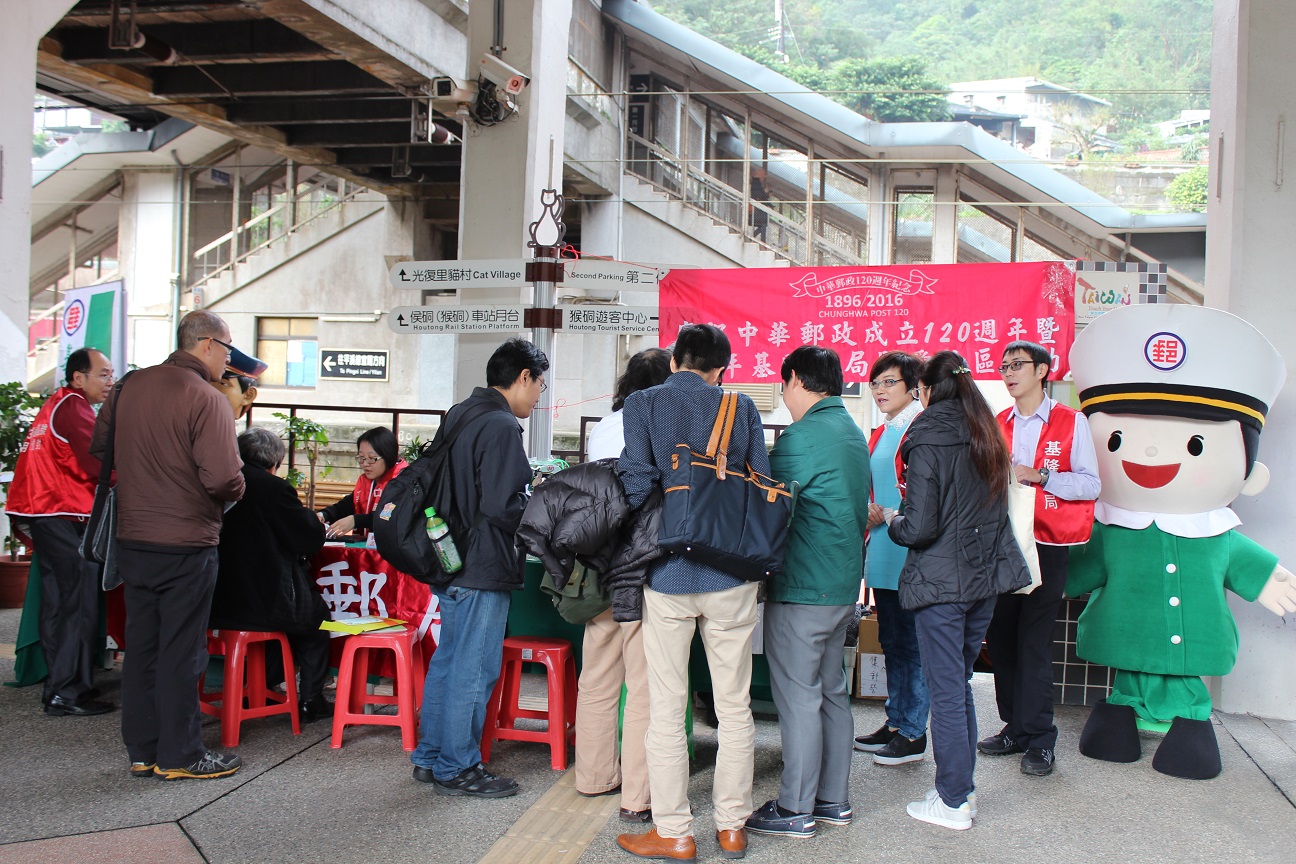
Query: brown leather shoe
x=653, y=845
x=733, y=843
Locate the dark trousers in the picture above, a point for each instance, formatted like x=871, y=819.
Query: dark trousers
x=69, y=616
x=168, y=600
x=950, y=635
x=310, y=651
x=1020, y=640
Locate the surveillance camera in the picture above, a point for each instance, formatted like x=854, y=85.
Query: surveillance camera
x=502, y=75
x=449, y=90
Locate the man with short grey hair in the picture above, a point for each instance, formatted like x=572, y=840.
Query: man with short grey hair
x=177, y=471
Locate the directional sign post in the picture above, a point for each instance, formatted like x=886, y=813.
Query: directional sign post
x=609, y=319
x=456, y=319
x=343, y=365
x=614, y=275
x=431, y=275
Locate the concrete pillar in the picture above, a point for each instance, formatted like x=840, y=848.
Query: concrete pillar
x=945, y=216
x=505, y=166
x=24, y=25
x=145, y=242
x=1251, y=208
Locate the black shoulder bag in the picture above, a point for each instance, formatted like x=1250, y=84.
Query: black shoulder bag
x=99, y=542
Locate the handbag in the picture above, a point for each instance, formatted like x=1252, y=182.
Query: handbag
x=99, y=543
x=582, y=599
x=1021, y=517
x=735, y=521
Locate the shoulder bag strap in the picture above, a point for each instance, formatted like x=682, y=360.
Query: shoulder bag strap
x=470, y=414
x=106, y=466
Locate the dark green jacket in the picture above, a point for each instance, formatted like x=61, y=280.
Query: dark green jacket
x=826, y=455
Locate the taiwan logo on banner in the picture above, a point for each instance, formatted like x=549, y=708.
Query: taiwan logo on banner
x=863, y=312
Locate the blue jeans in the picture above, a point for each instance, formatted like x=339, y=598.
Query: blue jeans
x=460, y=678
x=908, y=699
x=951, y=636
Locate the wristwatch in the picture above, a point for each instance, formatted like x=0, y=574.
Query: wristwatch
x=1044, y=475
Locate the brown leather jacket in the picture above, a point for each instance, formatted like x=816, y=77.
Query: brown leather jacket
x=175, y=452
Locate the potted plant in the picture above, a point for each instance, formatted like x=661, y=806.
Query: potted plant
x=311, y=437
x=17, y=410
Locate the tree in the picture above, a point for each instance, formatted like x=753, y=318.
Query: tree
x=41, y=144
x=1187, y=192
x=890, y=90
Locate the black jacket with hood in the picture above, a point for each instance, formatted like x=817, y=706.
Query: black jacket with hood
x=961, y=546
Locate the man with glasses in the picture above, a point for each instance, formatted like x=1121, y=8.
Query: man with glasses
x=52, y=493
x=489, y=475
x=1051, y=450
x=178, y=470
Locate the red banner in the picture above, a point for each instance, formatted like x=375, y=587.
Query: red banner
x=862, y=312
x=356, y=582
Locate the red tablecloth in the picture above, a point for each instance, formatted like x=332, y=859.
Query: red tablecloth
x=357, y=582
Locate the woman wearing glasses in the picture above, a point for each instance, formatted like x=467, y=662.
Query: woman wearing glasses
x=903, y=737
x=379, y=459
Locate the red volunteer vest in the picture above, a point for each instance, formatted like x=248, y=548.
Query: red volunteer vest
x=368, y=493
x=1057, y=522
x=48, y=480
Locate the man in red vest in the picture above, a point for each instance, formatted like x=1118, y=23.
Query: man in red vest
x=53, y=490
x=1051, y=449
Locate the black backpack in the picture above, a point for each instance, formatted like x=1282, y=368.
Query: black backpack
x=400, y=523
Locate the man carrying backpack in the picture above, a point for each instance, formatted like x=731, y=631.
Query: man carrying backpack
x=489, y=477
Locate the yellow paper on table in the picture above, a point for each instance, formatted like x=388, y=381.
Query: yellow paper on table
x=363, y=624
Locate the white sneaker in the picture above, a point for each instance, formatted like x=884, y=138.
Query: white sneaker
x=932, y=809
x=971, y=800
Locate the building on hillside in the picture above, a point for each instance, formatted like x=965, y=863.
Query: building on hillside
x=1056, y=122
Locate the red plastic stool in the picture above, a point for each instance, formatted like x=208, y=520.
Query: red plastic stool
x=353, y=674
x=245, y=678
x=503, y=712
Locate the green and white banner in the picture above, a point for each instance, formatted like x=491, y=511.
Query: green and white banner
x=94, y=317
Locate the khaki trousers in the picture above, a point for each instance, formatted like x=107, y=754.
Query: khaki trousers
x=726, y=620
x=613, y=654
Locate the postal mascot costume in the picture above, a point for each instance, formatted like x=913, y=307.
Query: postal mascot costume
x=1176, y=398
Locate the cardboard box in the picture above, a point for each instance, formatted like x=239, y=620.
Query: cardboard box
x=868, y=636
x=870, y=666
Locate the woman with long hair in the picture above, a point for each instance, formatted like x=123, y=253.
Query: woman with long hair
x=962, y=556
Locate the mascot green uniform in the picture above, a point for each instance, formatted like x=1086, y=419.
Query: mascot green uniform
x=1176, y=397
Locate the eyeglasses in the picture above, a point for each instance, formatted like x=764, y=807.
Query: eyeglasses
x=367, y=460
x=544, y=385
x=229, y=349
x=1015, y=366
x=884, y=384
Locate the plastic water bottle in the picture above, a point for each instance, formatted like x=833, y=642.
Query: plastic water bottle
x=439, y=533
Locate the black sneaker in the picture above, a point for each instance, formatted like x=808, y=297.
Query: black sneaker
x=900, y=750
x=768, y=820
x=209, y=767
x=999, y=745
x=876, y=741
x=1037, y=761
x=833, y=814
x=477, y=782
x=57, y=706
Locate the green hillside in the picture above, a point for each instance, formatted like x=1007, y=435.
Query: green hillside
x=1150, y=58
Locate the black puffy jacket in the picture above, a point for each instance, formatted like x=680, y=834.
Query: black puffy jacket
x=961, y=547
x=582, y=514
